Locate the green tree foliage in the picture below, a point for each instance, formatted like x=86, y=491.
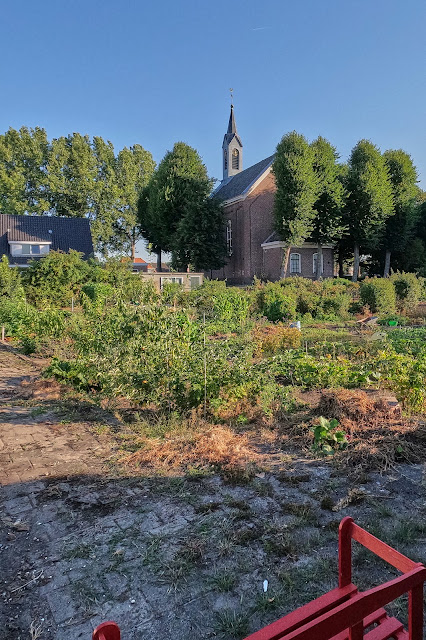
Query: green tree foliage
x=378, y=294
x=55, y=279
x=135, y=167
x=168, y=206
x=10, y=281
x=297, y=191
x=74, y=176
x=103, y=211
x=369, y=202
x=199, y=239
x=327, y=224
x=399, y=227
x=23, y=179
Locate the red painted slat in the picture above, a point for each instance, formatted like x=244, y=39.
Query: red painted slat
x=378, y=615
x=304, y=614
x=385, y=630
x=383, y=550
x=357, y=608
x=375, y=617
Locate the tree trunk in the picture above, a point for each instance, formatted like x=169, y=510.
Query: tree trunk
x=318, y=274
x=159, y=269
x=356, y=263
x=133, y=248
x=284, y=265
x=340, y=259
x=387, y=264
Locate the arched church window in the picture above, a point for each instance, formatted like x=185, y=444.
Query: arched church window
x=235, y=159
x=295, y=263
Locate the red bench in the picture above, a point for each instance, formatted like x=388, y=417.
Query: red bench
x=344, y=613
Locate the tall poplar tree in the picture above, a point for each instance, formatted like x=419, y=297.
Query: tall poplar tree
x=328, y=223
x=72, y=175
x=134, y=169
x=104, y=208
x=199, y=239
x=400, y=226
x=168, y=198
x=369, y=202
x=296, y=193
x=23, y=174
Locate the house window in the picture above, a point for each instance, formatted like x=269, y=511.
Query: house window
x=170, y=280
x=229, y=238
x=18, y=249
x=294, y=262
x=235, y=159
x=314, y=263
x=194, y=282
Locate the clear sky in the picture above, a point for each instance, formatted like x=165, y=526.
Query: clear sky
x=155, y=72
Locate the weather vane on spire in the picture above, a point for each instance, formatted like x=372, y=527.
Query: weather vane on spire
x=231, y=91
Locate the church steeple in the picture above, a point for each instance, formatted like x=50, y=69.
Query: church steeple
x=232, y=149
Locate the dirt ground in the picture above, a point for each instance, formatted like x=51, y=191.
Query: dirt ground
x=83, y=541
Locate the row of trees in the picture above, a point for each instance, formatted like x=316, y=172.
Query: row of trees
x=372, y=203
x=76, y=176
x=124, y=195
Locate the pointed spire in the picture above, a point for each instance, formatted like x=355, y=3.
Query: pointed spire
x=232, y=127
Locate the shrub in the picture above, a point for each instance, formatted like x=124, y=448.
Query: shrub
x=98, y=293
x=56, y=278
x=173, y=293
x=275, y=303
x=379, y=295
x=269, y=339
x=408, y=290
x=10, y=281
x=337, y=305
x=226, y=308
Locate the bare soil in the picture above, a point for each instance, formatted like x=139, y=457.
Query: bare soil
x=84, y=539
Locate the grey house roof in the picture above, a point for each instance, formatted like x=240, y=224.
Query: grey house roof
x=241, y=182
x=63, y=234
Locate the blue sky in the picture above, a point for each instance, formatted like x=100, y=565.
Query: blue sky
x=157, y=72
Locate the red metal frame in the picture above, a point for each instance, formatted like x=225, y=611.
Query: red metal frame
x=107, y=631
x=343, y=613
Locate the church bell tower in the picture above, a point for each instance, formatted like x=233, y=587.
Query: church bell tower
x=232, y=149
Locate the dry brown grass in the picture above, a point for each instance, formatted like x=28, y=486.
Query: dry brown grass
x=209, y=447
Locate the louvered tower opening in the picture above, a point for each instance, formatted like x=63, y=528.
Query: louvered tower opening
x=235, y=159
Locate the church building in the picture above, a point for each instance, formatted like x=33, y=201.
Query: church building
x=253, y=246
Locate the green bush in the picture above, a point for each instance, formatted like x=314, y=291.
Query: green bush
x=10, y=281
x=98, y=293
x=408, y=290
x=276, y=303
x=128, y=286
x=379, y=295
x=227, y=309
x=336, y=305
x=55, y=279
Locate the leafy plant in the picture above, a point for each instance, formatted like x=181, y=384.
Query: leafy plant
x=327, y=437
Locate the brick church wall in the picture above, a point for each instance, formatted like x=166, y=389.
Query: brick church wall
x=252, y=222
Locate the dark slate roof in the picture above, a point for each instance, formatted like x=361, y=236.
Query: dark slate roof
x=274, y=237
x=64, y=234
x=241, y=182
